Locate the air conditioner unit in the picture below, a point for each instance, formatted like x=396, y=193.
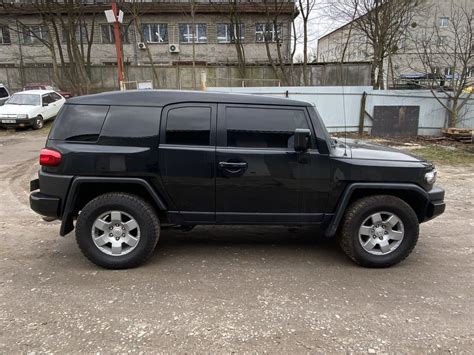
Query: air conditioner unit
x=141, y=45
x=174, y=48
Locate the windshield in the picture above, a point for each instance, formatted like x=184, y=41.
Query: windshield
x=24, y=99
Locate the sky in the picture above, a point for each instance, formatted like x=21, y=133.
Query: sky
x=319, y=25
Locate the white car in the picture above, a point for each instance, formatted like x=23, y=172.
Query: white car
x=30, y=108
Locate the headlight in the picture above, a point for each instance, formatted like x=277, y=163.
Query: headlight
x=21, y=116
x=430, y=177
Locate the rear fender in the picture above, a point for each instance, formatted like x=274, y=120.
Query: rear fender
x=70, y=205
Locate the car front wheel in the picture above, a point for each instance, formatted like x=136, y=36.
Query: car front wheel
x=117, y=230
x=379, y=231
x=38, y=122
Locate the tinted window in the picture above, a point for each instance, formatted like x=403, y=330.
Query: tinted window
x=3, y=92
x=263, y=127
x=189, y=126
x=131, y=122
x=79, y=123
x=55, y=96
x=47, y=99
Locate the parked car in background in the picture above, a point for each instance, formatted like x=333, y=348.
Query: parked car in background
x=45, y=86
x=30, y=108
x=4, y=94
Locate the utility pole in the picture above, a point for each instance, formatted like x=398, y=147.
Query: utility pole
x=115, y=16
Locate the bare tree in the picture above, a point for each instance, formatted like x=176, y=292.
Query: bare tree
x=272, y=36
x=231, y=9
x=378, y=24
x=305, y=8
x=67, y=35
x=135, y=10
x=446, y=54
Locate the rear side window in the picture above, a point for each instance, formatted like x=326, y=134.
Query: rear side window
x=263, y=127
x=79, y=123
x=47, y=99
x=131, y=122
x=55, y=96
x=189, y=126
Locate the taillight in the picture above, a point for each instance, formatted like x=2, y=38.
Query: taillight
x=49, y=157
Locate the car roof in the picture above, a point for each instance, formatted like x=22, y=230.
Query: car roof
x=35, y=92
x=165, y=97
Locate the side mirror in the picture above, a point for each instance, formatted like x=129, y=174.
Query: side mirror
x=302, y=139
x=45, y=104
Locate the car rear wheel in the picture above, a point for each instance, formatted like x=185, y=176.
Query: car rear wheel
x=38, y=122
x=379, y=231
x=117, y=230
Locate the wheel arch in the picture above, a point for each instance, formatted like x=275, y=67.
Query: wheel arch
x=84, y=189
x=412, y=194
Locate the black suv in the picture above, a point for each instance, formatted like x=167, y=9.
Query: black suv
x=125, y=164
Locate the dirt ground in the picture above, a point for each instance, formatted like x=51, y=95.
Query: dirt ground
x=235, y=289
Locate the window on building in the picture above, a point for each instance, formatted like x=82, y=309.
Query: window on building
x=186, y=33
x=267, y=32
x=402, y=43
x=35, y=34
x=108, y=36
x=4, y=35
x=228, y=33
x=442, y=41
x=470, y=72
x=443, y=22
x=448, y=71
x=155, y=32
x=263, y=127
x=81, y=34
x=189, y=126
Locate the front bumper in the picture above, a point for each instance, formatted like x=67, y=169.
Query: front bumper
x=16, y=122
x=436, y=205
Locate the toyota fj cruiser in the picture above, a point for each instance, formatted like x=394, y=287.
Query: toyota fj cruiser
x=125, y=164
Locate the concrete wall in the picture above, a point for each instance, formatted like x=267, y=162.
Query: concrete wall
x=339, y=107
x=181, y=77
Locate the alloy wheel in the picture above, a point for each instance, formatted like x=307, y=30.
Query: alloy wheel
x=115, y=233
x=381, y=233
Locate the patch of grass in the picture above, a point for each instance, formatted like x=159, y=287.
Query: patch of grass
x=30, y=131
x=444, y=155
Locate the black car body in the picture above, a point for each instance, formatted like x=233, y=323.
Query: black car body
x=202, y=158
x=4, y=94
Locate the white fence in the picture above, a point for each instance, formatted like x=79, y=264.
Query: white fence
x=340, y=106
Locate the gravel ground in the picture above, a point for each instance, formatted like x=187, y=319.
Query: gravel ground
x=234, y=289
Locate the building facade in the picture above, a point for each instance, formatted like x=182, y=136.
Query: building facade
x=435, y=23
x=162, y=32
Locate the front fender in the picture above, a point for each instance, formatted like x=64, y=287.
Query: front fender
x=343, y=202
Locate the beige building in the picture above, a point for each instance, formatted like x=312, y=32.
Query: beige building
x=433, y=23
x=169, y=33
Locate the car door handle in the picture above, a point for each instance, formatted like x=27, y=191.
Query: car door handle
x=232, y=165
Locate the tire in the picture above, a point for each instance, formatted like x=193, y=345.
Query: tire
x=102, y=247
x=366, y=231
x=38, y=123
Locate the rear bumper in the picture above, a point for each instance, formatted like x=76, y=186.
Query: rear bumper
x=45, y=205
x=436, y=205
x=48, y=194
